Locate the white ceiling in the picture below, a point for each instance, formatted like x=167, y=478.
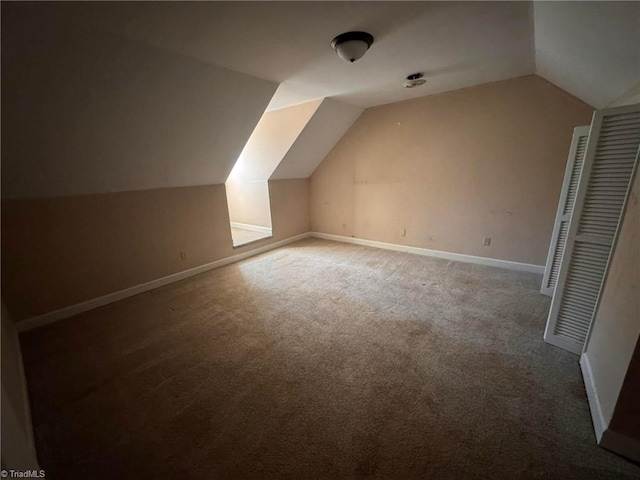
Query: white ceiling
x=86, y=113
x=454, y=44
x=324, y=130
x=590, y=49
x=270, y=141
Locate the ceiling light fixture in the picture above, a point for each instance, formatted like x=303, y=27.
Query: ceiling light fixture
x=414, y=80
x=351, y=46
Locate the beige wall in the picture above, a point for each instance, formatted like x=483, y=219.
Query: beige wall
x=104, y=142
x=57, y=252
x=289, y=207
x=451, y=169
x=249, y=202
x=616, y=327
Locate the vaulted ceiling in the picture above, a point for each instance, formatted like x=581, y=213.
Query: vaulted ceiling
x=590, y=49
x=111, y=96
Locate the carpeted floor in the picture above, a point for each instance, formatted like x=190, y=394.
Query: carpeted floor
x=317, y=360
x=242, y=236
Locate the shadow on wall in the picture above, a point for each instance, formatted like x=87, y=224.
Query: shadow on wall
x=17, y=439
x=247, y=185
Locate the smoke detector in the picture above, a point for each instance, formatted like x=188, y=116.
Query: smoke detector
x=414, y=80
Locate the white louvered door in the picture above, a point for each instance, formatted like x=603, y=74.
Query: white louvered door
x=610, y=158
x=565, y=208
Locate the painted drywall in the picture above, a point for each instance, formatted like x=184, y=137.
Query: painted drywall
x=325, y=128
x=249, y=202
x=615, y=330
x=630, y=97
x=274, y=135
x=456, y=44
x=289, y=207
x=270, y=141
x=92, y=125
x=591, y=49
x=18, y=451
x=452, y=169
x=62, y=251
x=626, y=416
x=85, y=112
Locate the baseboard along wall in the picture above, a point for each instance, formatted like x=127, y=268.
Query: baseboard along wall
x=458, y=257
x=46, y=318
x=251, y=228
x=605, y=437
x=599, y=423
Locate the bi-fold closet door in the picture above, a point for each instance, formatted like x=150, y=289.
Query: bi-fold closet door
x=610, y=158
x=565, y=209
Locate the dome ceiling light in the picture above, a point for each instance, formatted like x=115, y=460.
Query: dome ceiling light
x=351, y=46
x=414, y=80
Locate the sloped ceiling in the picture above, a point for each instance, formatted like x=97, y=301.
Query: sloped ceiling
x=329, y=123
x=291, y=142
x=455, y=44
x=590, y=49
x=271, y=140
x=232, y=55
x=85, y=112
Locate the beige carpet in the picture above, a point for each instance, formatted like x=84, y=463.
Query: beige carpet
x=318, y=360
x=242, y=236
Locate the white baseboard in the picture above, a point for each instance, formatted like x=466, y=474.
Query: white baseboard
x=605, y=437
x=251, y=228
x=459, y=257
x=44, y=319
x=66, y=312
x=599, y=422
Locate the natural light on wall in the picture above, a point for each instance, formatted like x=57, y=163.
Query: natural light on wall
x=248, y=201
x=248, y=183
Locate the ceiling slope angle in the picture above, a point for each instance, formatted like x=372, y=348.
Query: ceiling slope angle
x=108, y=114
x=324, y=130
x=270, y=141
x=455, y=44
x=589, y=49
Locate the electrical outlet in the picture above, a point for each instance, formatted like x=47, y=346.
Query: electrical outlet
x=183, y=254
x=344, y=226
x=404, y=232
x=486, y=242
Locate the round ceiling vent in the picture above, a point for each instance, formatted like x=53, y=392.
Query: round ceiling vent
x=414, y=80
